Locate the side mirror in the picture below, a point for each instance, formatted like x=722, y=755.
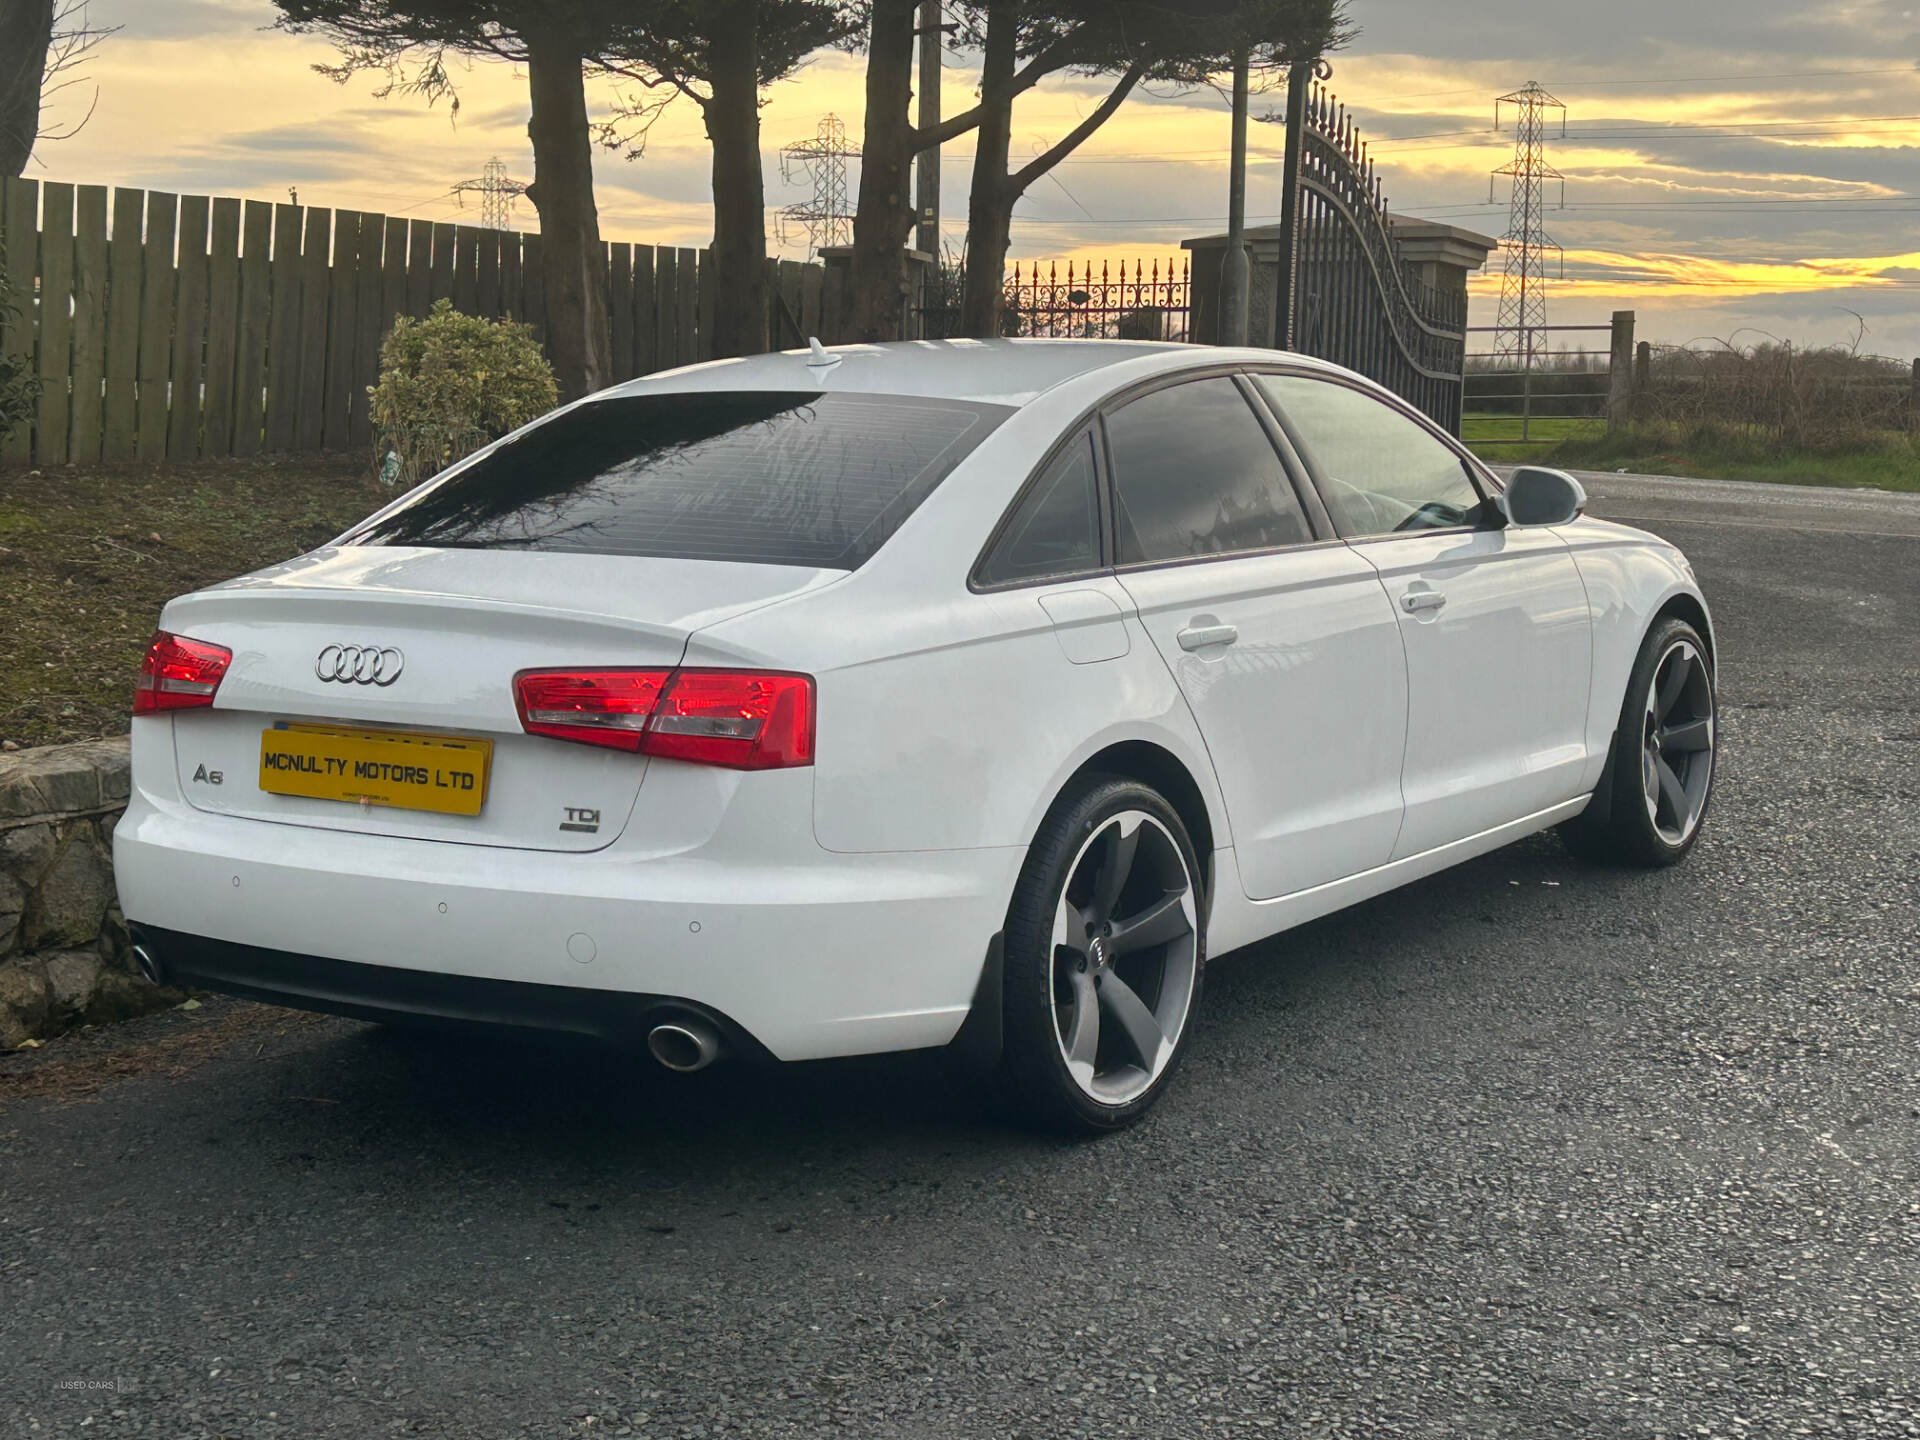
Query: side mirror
x=1538, y=496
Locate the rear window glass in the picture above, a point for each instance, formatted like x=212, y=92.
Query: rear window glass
x=774, y=477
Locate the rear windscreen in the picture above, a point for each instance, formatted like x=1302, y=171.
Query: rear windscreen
x=775, y=477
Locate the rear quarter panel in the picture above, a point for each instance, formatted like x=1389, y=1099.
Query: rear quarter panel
x=952, y=723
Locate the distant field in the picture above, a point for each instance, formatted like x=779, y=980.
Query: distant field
x=1583, y=444
x=1545, y=433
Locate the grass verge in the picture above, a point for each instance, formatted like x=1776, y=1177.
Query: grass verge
x=1497, y=438
x=89, y=554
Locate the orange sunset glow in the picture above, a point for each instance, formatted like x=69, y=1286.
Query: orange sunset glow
x=1715, y=180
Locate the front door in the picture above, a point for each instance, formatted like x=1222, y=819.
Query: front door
x=1283, y=644
x=1494, y=620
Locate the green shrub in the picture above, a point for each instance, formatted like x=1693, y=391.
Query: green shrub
x=450, y=384
x=19, y=387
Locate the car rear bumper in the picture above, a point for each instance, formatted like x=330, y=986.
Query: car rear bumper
x=389, y=993
x=816, y=956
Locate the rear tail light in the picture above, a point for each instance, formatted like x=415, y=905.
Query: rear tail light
x=595, y=707
x=179, y=674
x=742, y=719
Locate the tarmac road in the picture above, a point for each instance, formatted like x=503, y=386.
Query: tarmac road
x=1527, y=1149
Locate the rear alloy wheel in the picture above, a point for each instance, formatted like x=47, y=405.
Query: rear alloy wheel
x=1663, y=757
x=1104, y=957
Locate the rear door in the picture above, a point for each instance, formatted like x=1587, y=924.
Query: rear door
x=1279, y=636
x=1495, y=620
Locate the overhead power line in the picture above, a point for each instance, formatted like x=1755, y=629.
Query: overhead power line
x=1682, y=80
x=1758, y=130
x=1396, y=144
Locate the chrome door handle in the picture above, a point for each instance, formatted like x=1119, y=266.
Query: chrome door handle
x=1198, y=637
x=1419, y=602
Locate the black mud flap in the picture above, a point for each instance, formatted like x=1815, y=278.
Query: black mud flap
x=977, y=1046
x=1600, y=811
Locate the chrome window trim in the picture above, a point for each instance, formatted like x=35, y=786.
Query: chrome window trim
x=1319, y=519
x=1139, y=566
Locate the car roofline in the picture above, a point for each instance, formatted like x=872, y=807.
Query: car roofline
x=1014, y=372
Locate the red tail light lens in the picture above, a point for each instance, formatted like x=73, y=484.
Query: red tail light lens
x=595, y=707
x=739, y=718
x=179, y=674
x=742, y=719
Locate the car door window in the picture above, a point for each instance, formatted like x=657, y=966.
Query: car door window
x=1056, y=529
x=1381, y=472
x=1195, y=474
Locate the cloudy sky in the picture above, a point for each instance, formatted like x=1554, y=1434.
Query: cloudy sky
x=1735, y=168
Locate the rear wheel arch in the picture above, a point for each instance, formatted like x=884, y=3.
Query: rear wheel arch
x=1160, y=768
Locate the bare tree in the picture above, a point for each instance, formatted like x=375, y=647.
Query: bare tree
x=43, y=46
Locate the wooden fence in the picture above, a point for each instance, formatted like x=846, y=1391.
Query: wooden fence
x=181, y=326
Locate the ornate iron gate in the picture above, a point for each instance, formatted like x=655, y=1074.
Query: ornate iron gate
x=1140, y=303
x=1345, y=294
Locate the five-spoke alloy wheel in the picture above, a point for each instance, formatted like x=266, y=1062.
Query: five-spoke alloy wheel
x=1676, y=754
x=1650, y=810
x=1105, y=950
x=1126, y=940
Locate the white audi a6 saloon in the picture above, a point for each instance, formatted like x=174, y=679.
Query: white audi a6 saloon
x=960, y=694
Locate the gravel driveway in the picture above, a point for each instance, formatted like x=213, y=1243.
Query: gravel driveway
x=1526, y=1149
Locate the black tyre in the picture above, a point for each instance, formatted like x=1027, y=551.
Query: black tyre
x=1650, y=809
x=1104, y=955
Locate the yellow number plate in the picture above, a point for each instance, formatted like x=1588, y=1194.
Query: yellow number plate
x=443, y=773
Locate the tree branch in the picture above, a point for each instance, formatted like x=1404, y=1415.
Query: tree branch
x=1056, y=56
x=1042, y=163
x=950, y=128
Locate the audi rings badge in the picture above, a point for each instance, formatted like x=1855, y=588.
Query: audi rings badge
x=359, y=665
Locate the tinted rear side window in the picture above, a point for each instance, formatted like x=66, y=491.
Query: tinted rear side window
x=1195, y=474
x=777, y=478
x=1056, y=530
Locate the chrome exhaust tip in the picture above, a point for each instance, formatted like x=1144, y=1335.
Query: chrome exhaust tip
x=150, y=966
x=684, y=1045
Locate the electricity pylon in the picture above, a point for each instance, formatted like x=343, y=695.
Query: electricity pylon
x=497, y=193
x=823, y=160
x=1523, y=293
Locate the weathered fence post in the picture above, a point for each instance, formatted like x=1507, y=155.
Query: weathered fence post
x=1642, y=379
x=20, y=204
x=56, y=322
x=1913, y=403
x=1620, y=371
